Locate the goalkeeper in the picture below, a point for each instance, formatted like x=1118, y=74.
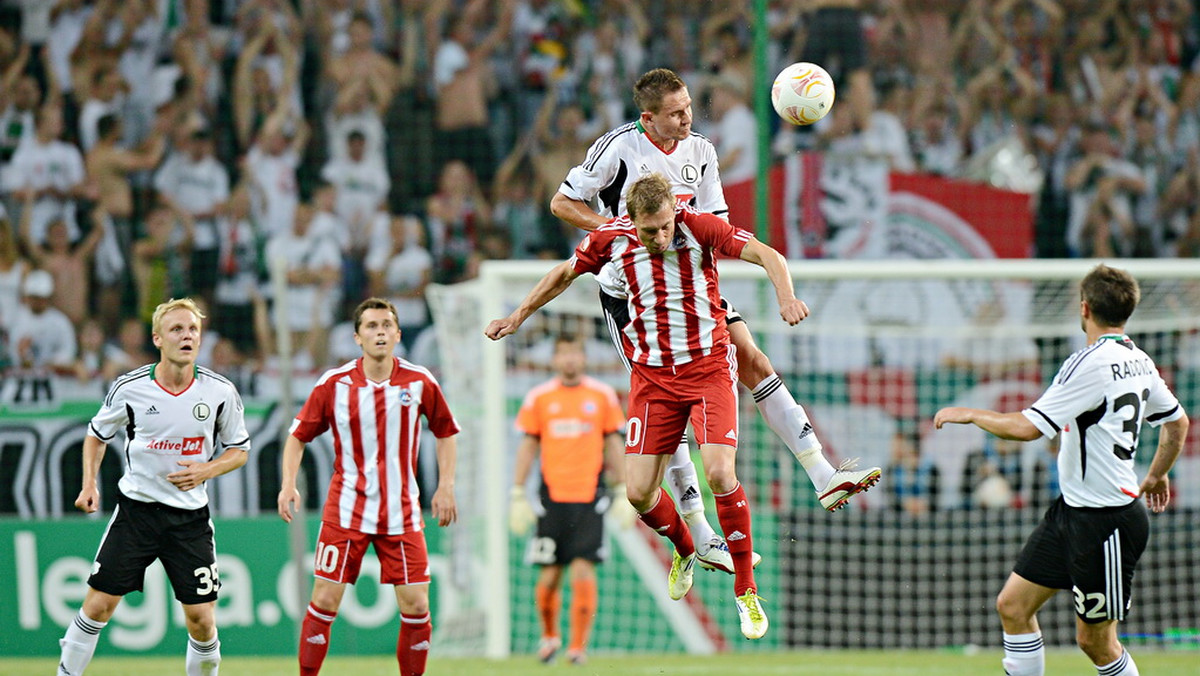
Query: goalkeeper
x=576, y=423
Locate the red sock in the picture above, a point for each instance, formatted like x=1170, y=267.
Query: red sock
x=733, y=512
x=664, y=520
x=412, y=648
x=314, y=639
x=548, y=600
x=583, y=610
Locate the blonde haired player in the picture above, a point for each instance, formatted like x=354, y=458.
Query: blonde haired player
x=174, y=414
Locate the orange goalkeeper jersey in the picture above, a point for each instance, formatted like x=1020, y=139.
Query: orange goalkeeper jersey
x=571, y=423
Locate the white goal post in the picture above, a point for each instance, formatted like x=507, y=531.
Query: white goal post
x=941, y=330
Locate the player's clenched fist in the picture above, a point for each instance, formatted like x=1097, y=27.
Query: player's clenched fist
x=499, y=328
x=793, y=312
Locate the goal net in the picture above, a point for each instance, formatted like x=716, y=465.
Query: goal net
x=917, y=561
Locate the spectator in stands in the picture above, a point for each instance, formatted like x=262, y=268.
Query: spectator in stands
x=361, y=62
x=519, y=207
x=131, y=349
x=1055, y=138
x=271, y=166
x=199, y=52
x=734, y=129
x=42, y=338
x=1179, y=211
x=68, y=264
x=194, y=185
x=160, y=260
x=461, y=81
x=835, y=34
x=238, y=269
x=67, y=20
x=935, y=142
x=137, y=64
x=109, y=164
x=361, y=182
x=93, y=352
x=13, y=268
x=1101, y=185
x=457, y=213
x=912, y=484
x=992, y=475
x=19, y=99
x=51, y=172
x=265, y=82
x=400, y=272
x=105, y=96
x=313, y=275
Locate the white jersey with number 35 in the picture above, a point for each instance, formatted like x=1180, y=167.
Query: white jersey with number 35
x=1099, y=400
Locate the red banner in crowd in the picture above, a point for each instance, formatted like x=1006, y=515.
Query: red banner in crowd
x=822, y=207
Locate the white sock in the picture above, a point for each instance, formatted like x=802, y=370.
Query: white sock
x=685, y=487
x=1124, y=666
x=203, y=657
x=788, y=420
x=78, y=645
x=1024, y=654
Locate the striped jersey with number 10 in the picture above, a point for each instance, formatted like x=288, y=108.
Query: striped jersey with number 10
x=162, y=428
x=674, y=302
x=376, y=436
x=1099, y=400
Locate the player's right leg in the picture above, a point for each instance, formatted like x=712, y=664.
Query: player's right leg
x=1017, y=604
x=79, y=643
x=203, y=657
x=788, y=419
x=337, y=563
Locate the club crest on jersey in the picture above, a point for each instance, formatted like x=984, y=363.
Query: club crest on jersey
x=689, y=173
x=201, y=411
x=406, y=397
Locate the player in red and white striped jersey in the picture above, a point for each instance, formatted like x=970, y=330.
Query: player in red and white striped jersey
x=683, y=366
x=373, y=407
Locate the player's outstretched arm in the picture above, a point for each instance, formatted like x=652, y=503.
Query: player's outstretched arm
x=791, y=309
x=289, y=501
x=89, y=495
x=445, y=509
x=1013, y=426
x=550, y=287
x=1157, y=486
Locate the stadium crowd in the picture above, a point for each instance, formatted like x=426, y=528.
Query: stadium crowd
x=162, y=148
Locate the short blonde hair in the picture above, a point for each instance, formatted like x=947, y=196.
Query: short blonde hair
x=174, y=304
x=647, y=195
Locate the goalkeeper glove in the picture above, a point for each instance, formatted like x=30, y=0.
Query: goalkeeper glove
x=621, y=511
x=520, y=512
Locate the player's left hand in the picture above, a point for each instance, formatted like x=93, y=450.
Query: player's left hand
x=1157, y=491
x=793, y=311
x=444, y=508
x=191, y=476
x=952, y=414
x=499, y=328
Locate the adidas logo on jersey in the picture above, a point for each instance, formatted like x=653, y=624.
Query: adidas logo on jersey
x=316, y=639
x=153, y=410
x=807, y=430
x=731, y=435
x=690, y=494
x=423, y=645
x=735, y=536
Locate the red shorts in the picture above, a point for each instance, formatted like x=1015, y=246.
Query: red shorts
x=403, y=559
x=663, y=398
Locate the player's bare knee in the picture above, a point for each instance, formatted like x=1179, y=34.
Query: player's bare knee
x=641, y=497
x=753, y=365
x=1012, y=610
x=721, y=479
x=201, y=622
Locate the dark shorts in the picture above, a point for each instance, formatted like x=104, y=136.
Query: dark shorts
x=569, y=531
x=1092, y=552
x=836, y=34
x=140, y=532
x=616, y=317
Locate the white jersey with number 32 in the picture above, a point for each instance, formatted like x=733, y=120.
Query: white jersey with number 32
x=1099, y=400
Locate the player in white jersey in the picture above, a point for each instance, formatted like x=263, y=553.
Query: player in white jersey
x=661, y=141
x=183, y=425
x=1092, y=536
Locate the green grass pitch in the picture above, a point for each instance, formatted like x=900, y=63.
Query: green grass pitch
x=830, y=663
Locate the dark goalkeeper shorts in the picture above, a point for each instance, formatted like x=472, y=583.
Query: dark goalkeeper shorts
x=1092, y=552
x=140, y=532
x=569, y=531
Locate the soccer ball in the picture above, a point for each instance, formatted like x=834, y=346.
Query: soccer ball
x=802, y=93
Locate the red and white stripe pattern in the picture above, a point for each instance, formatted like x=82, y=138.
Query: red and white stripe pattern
x=376, y=437
x=674, y=300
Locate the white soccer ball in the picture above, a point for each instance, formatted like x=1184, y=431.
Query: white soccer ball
x=802, y=93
